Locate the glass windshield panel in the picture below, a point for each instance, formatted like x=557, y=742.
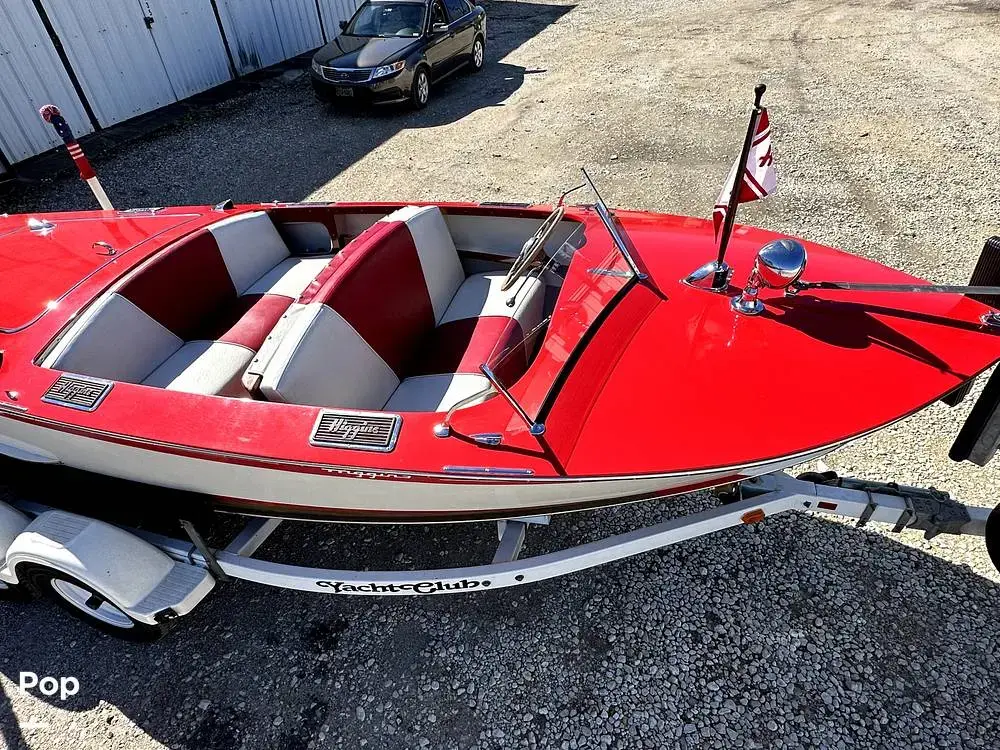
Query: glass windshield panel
x=618, y=234
x=383, y=19
x=594, y=271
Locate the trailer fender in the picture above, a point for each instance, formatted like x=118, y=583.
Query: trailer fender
x=135, y=576
x=22, y=451
x=12, y=523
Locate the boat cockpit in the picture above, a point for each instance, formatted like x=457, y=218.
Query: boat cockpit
x=332, y=306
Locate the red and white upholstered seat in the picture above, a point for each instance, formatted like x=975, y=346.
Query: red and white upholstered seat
x=396, y=325
x=193, y=317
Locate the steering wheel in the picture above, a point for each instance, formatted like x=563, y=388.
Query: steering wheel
x=531, y=249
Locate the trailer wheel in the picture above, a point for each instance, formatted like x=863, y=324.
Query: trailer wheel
x=81, y=601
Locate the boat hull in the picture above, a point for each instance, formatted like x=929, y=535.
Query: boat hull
x=260, y=486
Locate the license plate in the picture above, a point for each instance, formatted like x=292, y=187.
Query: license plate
x=343, y=91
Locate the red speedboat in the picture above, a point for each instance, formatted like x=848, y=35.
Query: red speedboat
x=391, y=362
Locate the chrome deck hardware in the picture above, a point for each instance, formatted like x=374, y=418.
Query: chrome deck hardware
x=779, y=264
x=704, y=277
x=40, y=226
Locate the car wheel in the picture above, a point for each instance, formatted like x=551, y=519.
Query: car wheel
x=83, y=602
x=420, y=92
x=478, y=54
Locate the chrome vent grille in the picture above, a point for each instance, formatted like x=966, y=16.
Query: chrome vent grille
x=347, y=75
x=359, y=430
x=77, y=392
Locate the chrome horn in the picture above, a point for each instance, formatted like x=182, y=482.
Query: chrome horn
x=779, y=264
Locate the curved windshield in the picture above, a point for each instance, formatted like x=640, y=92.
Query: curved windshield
x=388, y=19
x=594, y=276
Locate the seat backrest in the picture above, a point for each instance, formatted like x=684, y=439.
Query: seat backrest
x=184, y=287
x=439, y=262
x=113, y=339
x=347, y=344
x=177, y=296
x=377, y=302
x=323, y=361
x=250, y=246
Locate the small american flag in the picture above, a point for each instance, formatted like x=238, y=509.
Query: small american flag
x=51, y=114
x=759, y=178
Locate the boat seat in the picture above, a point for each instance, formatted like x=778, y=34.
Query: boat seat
x=394, y=324
x=193, y=317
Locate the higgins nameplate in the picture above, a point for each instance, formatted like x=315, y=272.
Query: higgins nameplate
x=359, y=430
x=77, y=392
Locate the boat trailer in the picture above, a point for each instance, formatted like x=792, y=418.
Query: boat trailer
x=134, y=583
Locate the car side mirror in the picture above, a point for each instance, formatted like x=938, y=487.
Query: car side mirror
x=439, y=28
x=343, y=25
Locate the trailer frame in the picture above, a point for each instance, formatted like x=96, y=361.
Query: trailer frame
x=749, y=502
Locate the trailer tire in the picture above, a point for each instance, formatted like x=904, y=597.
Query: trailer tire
x=86, y=604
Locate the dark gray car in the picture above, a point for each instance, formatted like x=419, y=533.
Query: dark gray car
x=394, y=50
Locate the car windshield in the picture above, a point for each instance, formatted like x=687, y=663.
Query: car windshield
x=387, y=19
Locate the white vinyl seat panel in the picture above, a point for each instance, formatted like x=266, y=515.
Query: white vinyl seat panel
x=206, y=367
x=250, y=246
x=116, y=340
x=290, y=277
x=480, y=296
x=439, y=259
x=255, y=370
x=323, y=361
x=435, y=392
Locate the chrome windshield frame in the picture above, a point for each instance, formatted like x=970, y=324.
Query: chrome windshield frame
x=535, y=428
x=608, y=219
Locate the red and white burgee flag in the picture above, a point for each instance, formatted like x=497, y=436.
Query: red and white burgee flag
x=759, y=179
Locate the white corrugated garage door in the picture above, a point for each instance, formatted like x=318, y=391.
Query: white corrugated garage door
x=335, y=11
x=264, y=32
x=32, y=75
x=127, y=67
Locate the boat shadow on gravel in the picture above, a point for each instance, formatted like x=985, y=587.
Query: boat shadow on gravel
x=840, y=625
x=279, y=141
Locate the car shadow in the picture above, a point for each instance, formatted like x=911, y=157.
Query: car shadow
x=255, y=667
x=280, y=142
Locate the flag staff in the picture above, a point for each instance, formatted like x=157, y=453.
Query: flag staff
x=721, y=270
x=51, y=114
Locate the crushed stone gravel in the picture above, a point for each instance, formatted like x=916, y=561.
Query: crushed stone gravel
x=796, y=633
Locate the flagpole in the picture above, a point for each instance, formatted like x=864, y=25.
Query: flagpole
x=51, y=114
x=720, y=280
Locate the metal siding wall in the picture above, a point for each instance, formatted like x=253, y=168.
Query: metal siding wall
x=113, y=56
x=190, y=44
x=126, y=69
x=298, y=25
x=335, y=11
x=31, y=74
x=252, y=32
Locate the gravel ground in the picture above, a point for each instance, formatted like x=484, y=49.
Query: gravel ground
x=797, y=633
